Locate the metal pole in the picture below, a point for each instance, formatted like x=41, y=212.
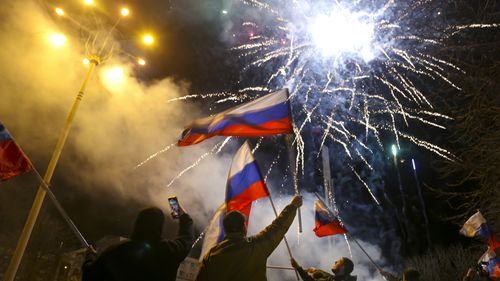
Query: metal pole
x=289, y=142
x=63, y=212
x=291, y=155
x=284, y=237
x=10, y=274
x=422, y=202
x=280, y=267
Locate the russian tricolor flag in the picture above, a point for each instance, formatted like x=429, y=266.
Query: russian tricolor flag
x=245, y=183
x=13, y=161
x=214, y=234
x=325, y=223
x=476, y=226
x=265, y=116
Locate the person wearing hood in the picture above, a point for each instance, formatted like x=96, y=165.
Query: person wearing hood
x=341, y=271
x=146, y=256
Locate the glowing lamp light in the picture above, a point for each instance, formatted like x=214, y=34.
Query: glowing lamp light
x=224, y=12
x=57, y=39
x=86, y=61
x=125, y=12
x=59, y=11
x=114, y=76
x=341, y=33
x=413, y=164
x=88, y=2
x=141, y=62
x=394, y=150
x=148, y=39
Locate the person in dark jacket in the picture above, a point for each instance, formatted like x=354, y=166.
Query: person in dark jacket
x=146, y=256
x=241, y=258
x=341, y=271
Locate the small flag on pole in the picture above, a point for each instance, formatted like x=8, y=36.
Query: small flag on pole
x=325, y=223
x=476, y=226
x=265, y=116
x=13, y=161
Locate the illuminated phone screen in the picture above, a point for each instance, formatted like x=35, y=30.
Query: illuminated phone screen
x=174, y=205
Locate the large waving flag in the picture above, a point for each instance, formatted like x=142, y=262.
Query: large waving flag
x=325, y=223
x=265, y=116
x=13, y=161
x=476, y=226
x=214, y=234
x=245, y=183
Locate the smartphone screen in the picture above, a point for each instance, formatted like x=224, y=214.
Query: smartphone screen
x=174, y=205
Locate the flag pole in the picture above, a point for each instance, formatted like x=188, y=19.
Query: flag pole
x=280, y=267
x=284, y=237
x=15, y=261
x=63, y=212
x=362, y=249
x=289, y=139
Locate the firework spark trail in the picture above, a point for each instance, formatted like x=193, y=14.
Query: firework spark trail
x=154, y=155
x=365, y=185
x=200, y=96
x=215, y=150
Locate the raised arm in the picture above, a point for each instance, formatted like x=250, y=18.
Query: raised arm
x=182, y=243
x=269, y=238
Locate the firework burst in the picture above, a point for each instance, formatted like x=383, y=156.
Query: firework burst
x=357, y=70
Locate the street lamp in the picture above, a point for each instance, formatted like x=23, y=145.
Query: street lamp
x=57, y=39
x=125, y=12
x=88, y=2
x=148, y=39
x=94, y=57
x=59, y=11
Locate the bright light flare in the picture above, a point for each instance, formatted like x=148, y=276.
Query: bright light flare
x=141, y=62
x=88, y=2
x=342, y=32
x=394, y=150
x=114, y=76
x=59, y=11
x=125, y=12
x=86, y=61
x=148, y=39
x=413, y=164
x=57, y=39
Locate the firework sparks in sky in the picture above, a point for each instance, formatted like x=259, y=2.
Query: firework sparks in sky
x=355, y=69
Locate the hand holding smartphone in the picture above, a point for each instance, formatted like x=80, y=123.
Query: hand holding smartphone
x=174, y=205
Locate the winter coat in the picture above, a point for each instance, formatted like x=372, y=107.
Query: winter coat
x=320, y=275
x=240, y=258
x=143, y=258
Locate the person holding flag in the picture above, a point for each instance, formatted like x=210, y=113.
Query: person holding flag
x=224, y=249
x=243, y=258
x=325, y=225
